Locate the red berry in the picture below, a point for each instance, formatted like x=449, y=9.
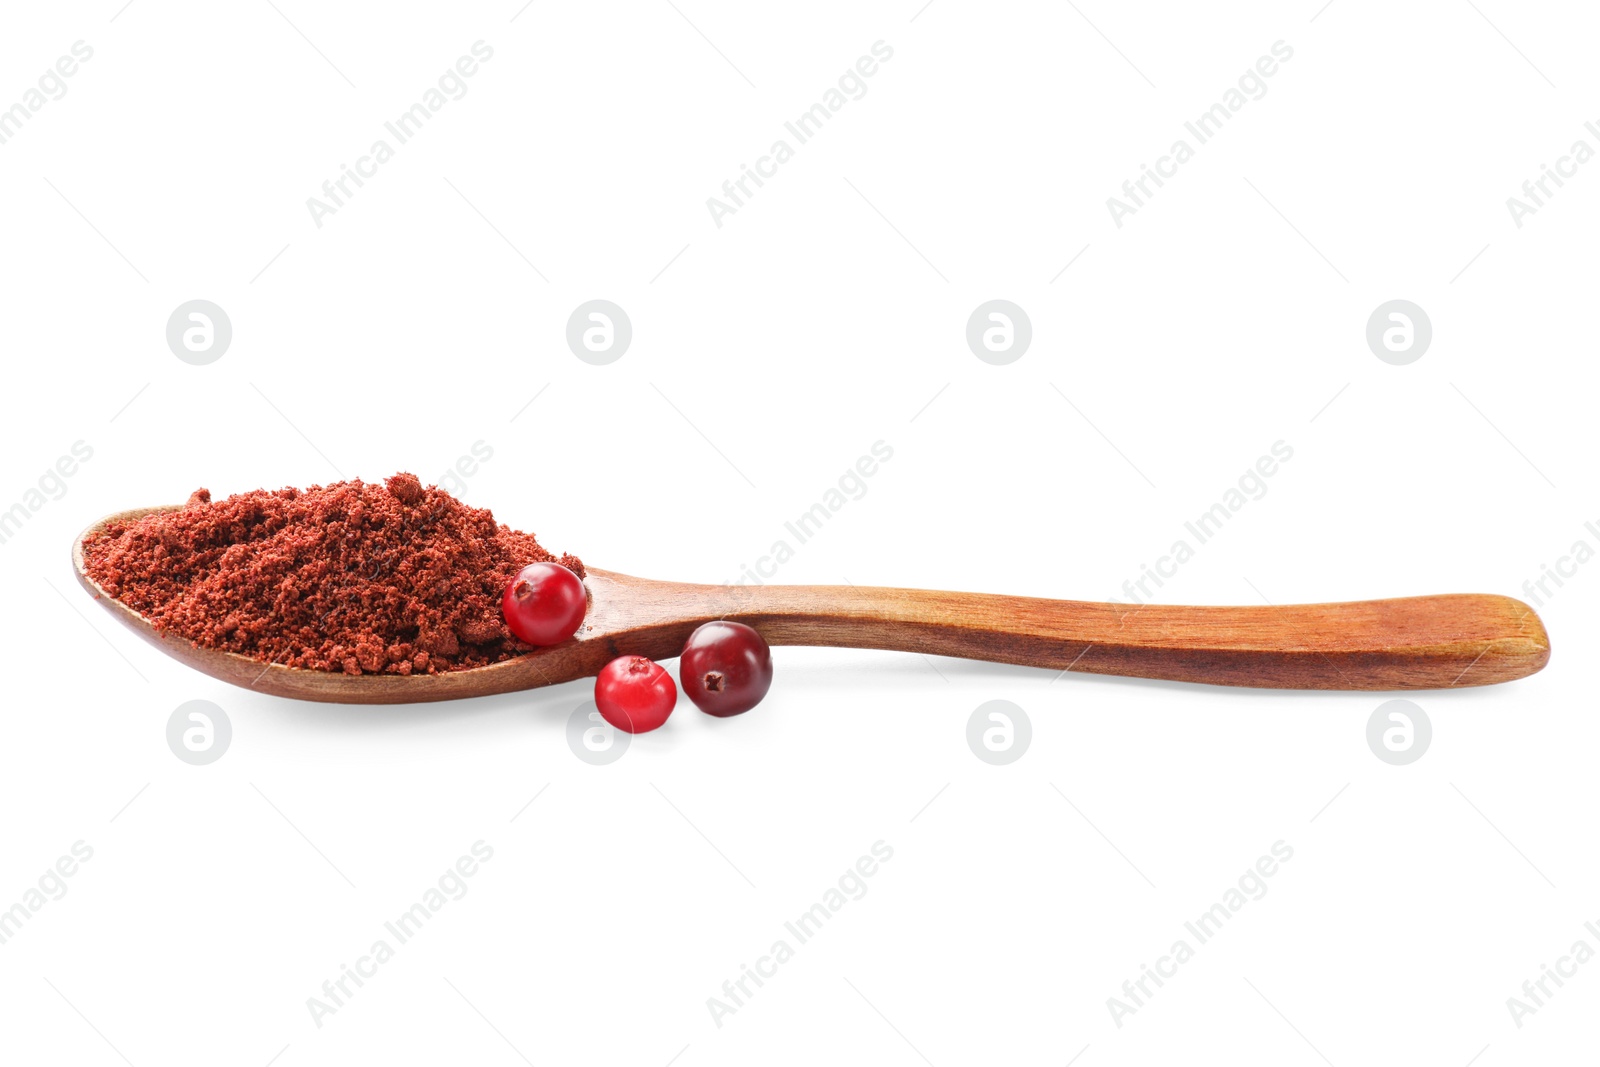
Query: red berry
x=726, y=668
x=634, y=694
x=543, y=604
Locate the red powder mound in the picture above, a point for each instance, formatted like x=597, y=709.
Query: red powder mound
x=351, y=577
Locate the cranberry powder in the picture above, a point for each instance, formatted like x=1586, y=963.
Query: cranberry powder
x=353, y=577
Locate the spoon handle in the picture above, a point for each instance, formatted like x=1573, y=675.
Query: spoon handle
x=1429, y=642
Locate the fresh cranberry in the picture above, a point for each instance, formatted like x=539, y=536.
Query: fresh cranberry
x=634, y=694
x=726, y=668
x=543, y=604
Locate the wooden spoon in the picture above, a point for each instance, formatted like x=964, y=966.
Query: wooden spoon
x=1428, y=642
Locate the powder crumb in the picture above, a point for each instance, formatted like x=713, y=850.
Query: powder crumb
x=369, y=654
x=353, y=576
x=406, y=488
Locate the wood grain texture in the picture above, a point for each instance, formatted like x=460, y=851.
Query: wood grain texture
x=1431, y=642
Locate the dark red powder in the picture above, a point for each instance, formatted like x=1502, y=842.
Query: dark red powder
x=353, y=576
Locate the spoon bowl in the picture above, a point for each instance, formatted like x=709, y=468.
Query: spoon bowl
x=1427, y=642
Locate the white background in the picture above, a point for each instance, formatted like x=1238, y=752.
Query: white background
x=768, y=354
